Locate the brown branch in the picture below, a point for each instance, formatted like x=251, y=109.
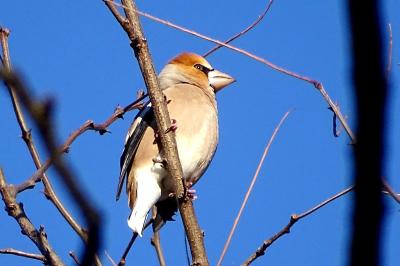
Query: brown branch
x=250, y=27
x=286, y=230
x=318, y=85
x=27, y=137
x=110, y=258
x=16, y=210
x=40, y=113
x=74, y=257
x=253, y=181
x=12, y=251
x=122, y=261
x=155, y=240
x=89, y=125
x=156, y=243
x=390, y=191
x=168, y=142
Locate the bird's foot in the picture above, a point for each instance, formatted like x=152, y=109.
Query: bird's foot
x=159, y=160
x=173, y=127
x=191, y=192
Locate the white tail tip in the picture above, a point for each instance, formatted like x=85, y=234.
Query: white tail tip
x=136, y=223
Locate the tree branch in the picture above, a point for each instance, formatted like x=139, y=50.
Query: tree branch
x=16, y=210
x=102, y=128
x=286, y=230
x=12, y=251
x=250, y=27
x=41, y=113
x=317, y=84
x=27, y=137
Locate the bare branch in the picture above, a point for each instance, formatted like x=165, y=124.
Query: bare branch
x=122, y=261
x=286, y=230
x=27, y=137
x=156, y=243
x=390, y=191
x=251, y=26
x=155, y=240
x=74, y=257
x=16, y=210
x=317, y=84
x=110, y=258
x=12, y=251
x=253, y=181
x=102, y=128
x=40, y=113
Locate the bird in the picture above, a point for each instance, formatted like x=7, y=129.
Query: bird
x=189, y=84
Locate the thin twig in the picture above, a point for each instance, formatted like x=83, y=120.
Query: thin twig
x=155, y=240
x=156, y=243
x=253, y=181
x=74, y=257
x=89, y=125
x=251, y=26
x=16, y=252
x=16, y=210
x=286, y=229
x=110, y=258
x=122, y=261
x=390, y=191
x=317, y=84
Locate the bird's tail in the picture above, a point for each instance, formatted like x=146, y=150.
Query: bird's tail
x=148, y=193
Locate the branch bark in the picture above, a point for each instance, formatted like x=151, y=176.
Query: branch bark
x=286, y=229
x=15, y=252
x=16, y=210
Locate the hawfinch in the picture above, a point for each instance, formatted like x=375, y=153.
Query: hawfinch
x=189, y=83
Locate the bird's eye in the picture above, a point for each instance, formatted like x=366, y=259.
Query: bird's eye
x=199, y=67
x=202, y=68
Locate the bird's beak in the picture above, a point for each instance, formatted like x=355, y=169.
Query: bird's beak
x=219, y=80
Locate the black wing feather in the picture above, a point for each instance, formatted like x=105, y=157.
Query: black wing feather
x=132, y=144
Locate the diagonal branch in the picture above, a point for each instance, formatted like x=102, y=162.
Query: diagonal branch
x=250, y=27
x=15, y=252
x=102, y=128
x=286, y=230
x=253, y=181
x=317, y=84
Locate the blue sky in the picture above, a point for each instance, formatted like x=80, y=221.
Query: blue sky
x=77, y=54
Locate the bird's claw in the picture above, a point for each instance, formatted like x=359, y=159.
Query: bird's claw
x=172, y=127
x=191, y=192
x=159, y=160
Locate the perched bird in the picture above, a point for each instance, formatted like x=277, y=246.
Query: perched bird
x=189, y=84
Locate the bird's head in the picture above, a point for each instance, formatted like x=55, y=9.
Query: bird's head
x=193, y=69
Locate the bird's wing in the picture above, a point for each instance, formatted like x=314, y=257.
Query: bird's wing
x=135, y=134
